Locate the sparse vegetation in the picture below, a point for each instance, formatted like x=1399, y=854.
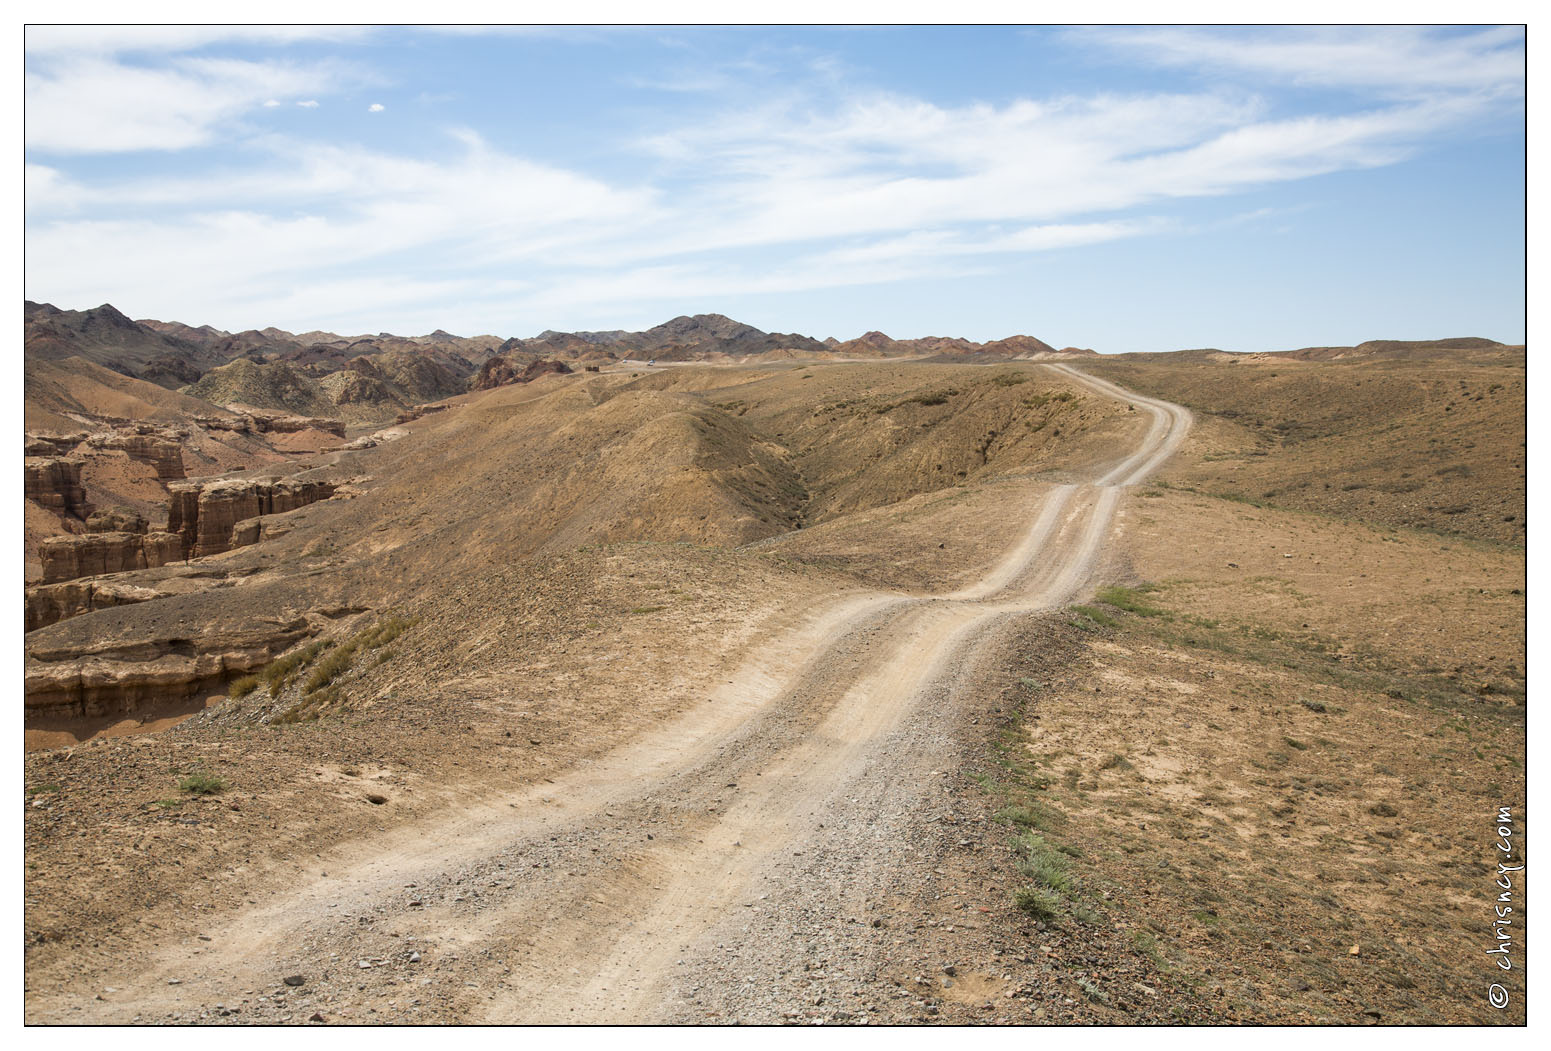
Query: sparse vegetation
x=243, y=686
x=339, y=662
x=1088, y=618
x=1130, y=600
x=202, y=784
x=1044, y=905
x=279, y=673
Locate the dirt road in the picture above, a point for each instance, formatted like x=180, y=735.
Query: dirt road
x=677, y=878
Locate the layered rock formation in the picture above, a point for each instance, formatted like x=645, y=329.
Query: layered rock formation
x=204, y=515
x=266, y=424
x=54, y=482
x=161, y=449
x=49, y=603
x=93, y=554
x=117, y=520
x=53, y=444
x=121, y=678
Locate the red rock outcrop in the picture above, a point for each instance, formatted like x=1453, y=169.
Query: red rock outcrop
x=50, y=603
x=204, y=515
x=54, y=482
x=93, y=554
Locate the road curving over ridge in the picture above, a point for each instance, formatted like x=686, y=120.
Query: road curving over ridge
x=610, y=893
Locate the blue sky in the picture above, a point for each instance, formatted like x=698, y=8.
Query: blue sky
x=1121, y=189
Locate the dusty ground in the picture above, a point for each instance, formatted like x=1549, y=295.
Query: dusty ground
x=1295, y=762
x=782, y=782
x=1436, y=443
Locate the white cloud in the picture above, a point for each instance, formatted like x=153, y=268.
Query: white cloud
x=308, y=104
x=375, y=107
x=316, y=212
x=271, y=103
x=92, y=105
x=885, y=164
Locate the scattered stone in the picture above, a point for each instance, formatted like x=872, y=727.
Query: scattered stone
x=293, y=980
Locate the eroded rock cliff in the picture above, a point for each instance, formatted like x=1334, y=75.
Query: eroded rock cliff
x=50, y=603
x=119, y=678
x=54, y=482
x=204, y=515
x=94, y=554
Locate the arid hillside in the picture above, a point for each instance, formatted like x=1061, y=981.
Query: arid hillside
x=1401, y=434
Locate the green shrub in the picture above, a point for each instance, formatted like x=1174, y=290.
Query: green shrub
x=386, y=631
x=342, y=659
x=202, y=784
x=1039, y=903
x=1042, y=863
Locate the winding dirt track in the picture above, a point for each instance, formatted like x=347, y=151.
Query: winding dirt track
x=552, y=899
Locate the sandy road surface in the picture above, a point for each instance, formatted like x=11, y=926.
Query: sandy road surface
x=787, y=798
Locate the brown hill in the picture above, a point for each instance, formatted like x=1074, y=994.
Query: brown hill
x=269, y=386
x=54, y=390
x=105, y=336
x=683, y=338
x=1396, y=349
x=1017, y=347
x=1417, y=435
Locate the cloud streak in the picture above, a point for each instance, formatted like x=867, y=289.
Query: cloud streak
x=1400, y=61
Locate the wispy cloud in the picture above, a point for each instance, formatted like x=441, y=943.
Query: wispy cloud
x=1401, y=61
x=95, y=105
x=375, y=107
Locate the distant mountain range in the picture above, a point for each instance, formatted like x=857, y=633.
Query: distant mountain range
x=373, y=378
x=365, y=378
